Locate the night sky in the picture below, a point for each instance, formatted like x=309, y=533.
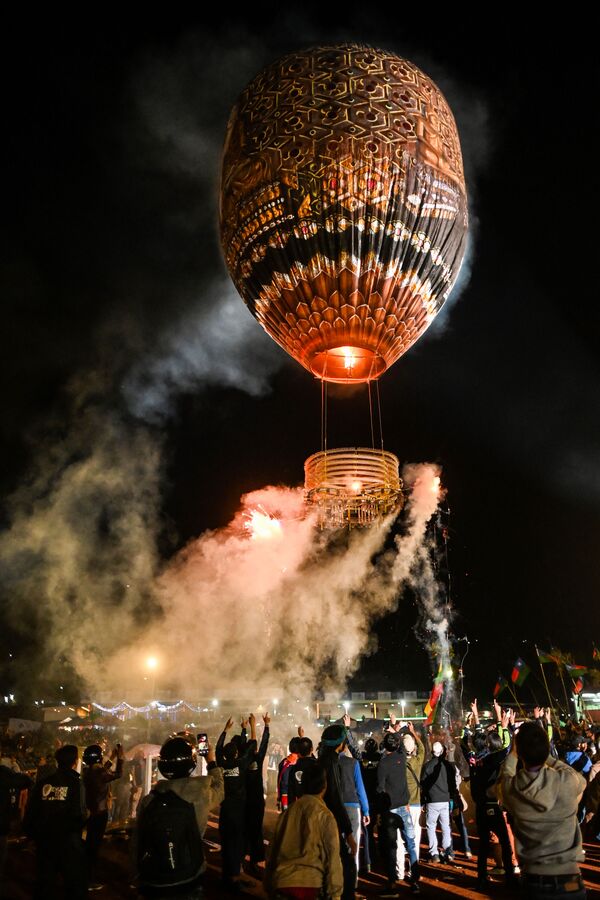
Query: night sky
x=113, y=132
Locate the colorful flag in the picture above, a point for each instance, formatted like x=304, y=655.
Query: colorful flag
x=500, y=685
x=520, y=672
x=575, y=670
x=433, y=701
x=578, y=685
x=595, y=652
x=545, y=657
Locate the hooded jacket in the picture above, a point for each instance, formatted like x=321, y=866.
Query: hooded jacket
x=391, y=779
x=438, y=781
x=414, y=766
x=543, y=806
x=204, y=792
x=305, y=850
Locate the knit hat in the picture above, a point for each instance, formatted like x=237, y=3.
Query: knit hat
x=333, y=736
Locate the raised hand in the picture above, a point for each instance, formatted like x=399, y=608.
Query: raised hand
x=267, y=719
x=229, y=723
x=346, y=720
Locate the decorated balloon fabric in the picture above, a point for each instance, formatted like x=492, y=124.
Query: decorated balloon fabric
x=343, y=206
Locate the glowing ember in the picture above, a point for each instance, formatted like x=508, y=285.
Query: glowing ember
x=261, y=525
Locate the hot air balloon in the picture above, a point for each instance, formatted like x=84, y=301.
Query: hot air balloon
x=343, y=206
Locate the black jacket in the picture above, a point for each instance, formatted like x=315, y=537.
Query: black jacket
x=329, y=759
x=484, y=775
x=295, y=789
x=10, y=783
x=234, y=774
x=438, y=781
x=254, y=779
x=56, y=806
x=391, y=779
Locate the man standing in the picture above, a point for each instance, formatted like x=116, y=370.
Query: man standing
x=304, y=860
x=438, y=784
x=96, y=779
x=333, y=741
x=54, y=819
x=542, y=798
x=160, y=816
x=232, y=816
x=11, y=782
x=392, y=784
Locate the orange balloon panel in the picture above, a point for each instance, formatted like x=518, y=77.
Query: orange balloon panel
x=343, y=206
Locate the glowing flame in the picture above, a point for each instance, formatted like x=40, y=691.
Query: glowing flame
x=356, y=486
x=261, y=525
x=151, y=663
x=436, y=484
x=349, y=358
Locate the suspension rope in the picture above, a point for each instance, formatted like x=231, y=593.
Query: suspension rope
x=322, y=414
x=379, y=413
x=325, y=421
x=371, y=415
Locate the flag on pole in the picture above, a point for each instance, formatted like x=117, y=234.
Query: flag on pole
x=434, y=697
x=578, y=685
x=433, y=701
x=520, y=672
x=500, y=685
x=575, y=671
x=545, y=657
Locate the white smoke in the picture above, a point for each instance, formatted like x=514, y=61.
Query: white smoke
x=215, y=341
x=288, y=609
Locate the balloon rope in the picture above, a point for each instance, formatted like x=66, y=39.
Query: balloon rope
x=379, y=412
x=322, y=414
x=325, y=421
x=371, y=415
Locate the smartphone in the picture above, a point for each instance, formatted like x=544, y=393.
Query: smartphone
x=202, y=739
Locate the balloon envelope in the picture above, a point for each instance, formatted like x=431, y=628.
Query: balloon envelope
x=343, y=206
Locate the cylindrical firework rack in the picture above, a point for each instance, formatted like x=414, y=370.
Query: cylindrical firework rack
x=352, y=486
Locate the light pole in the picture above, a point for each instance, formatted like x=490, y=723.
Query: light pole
x=151, y=666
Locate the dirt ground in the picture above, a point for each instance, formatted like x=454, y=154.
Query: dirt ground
x=437, y=881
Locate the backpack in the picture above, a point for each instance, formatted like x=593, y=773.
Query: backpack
x=169, y=842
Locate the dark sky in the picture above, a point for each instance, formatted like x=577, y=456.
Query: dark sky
x=113, y=133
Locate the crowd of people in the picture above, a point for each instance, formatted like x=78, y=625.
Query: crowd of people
x=531, y=784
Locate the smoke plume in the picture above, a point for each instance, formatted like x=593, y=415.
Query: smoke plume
x=271, y=605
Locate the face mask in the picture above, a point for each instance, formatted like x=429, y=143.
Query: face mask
x=437, y=749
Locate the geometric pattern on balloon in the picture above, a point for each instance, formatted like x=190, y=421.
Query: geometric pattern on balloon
x=343, y=206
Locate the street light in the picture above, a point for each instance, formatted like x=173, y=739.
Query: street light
x=151, y=666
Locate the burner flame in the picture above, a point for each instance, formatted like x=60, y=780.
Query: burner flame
x=261, y=526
